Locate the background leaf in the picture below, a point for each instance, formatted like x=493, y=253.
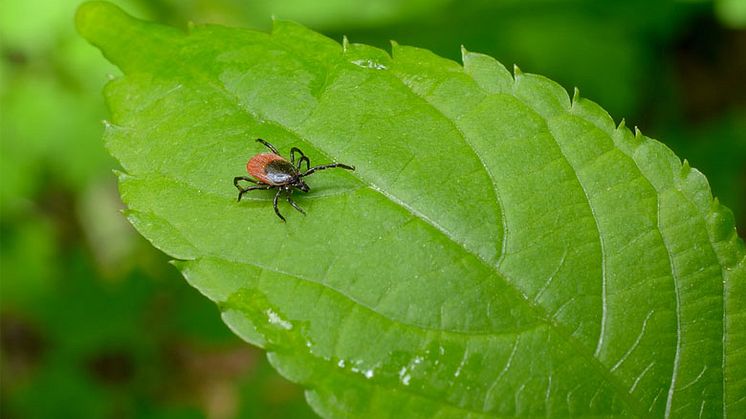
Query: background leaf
x=501, y=249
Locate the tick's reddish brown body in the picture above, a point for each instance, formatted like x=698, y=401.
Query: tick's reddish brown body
x=271, y=170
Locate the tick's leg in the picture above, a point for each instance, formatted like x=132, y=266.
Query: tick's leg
x=268, y=145
x=246, y=178
x=274, y=204
x=302, y=158
x=242, y=191
x=327, y=166
x=292, y=154
x=291, y=202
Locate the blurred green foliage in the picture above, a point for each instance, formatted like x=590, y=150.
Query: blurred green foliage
x=95, y=323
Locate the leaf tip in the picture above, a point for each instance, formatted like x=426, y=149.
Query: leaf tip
x=396, y=48
x=722, y=227
x=121, y=176
x=575, y=95
x=178, y=264
x=517, y=71
x=622, y=125
x=90, y=14
x=130, y=215
x=345, y=43
x=686, y=168
x=127, y=42
x=464, y=53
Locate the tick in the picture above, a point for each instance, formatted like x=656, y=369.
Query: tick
x=272, y=171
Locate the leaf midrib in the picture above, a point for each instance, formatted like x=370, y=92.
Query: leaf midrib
x=210, y=254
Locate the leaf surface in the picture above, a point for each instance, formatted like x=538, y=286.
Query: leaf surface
x=501, y=249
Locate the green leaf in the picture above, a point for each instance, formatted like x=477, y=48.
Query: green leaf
x=501, y=248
